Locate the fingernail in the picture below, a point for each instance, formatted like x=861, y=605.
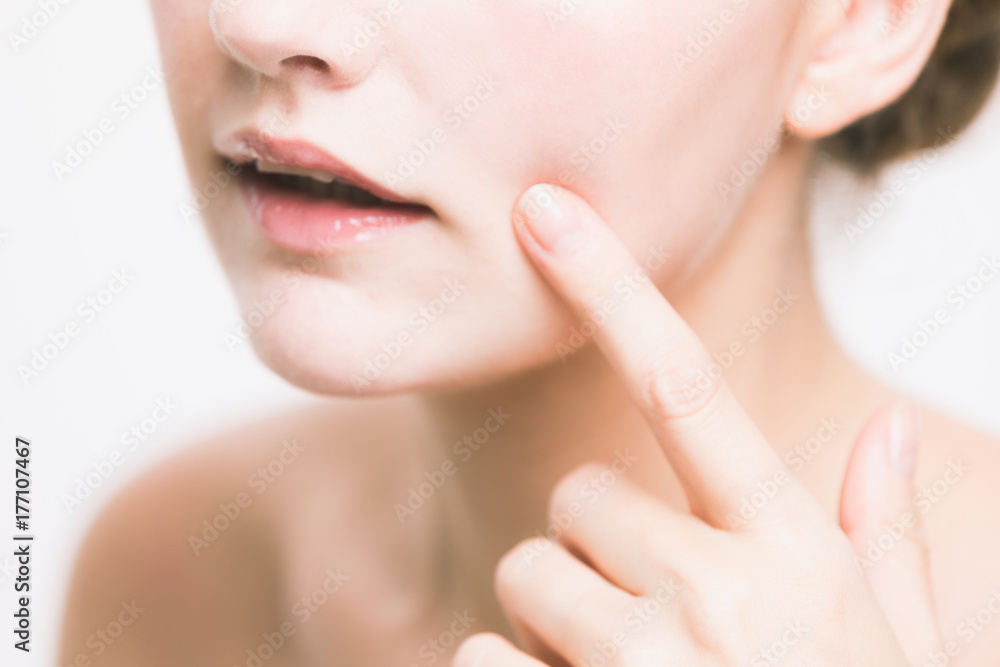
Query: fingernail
x=904, y=438
x=554, y=224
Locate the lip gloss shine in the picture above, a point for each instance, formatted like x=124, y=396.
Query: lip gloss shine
x=301, y=223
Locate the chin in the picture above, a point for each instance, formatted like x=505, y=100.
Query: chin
x=335, y=339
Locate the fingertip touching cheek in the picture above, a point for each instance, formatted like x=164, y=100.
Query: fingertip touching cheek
x=356, y=164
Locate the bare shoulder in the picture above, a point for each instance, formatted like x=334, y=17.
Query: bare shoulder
x=185, y=566
x=958, y=495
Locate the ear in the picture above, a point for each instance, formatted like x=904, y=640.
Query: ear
x=866, y=54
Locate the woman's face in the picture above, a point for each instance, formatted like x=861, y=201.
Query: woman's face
x=643, y=107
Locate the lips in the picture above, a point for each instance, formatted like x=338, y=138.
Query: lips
x=305, y=200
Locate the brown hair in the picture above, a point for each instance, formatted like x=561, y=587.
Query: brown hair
x=953, y=87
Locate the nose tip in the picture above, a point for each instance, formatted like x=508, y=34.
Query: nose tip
x=287, y=39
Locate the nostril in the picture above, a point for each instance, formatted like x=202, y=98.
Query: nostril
x=306, y=62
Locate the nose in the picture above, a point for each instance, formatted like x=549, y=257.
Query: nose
x=285, y=39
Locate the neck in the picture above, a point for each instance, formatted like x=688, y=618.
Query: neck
x=753, y=305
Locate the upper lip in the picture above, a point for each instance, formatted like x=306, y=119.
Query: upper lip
x=249, y=145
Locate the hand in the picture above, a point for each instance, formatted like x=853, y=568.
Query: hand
x=635, y=582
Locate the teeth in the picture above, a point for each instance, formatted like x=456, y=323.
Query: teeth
x=319, y=184
x=271, y=168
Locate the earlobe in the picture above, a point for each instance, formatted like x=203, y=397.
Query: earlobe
x=872, y=55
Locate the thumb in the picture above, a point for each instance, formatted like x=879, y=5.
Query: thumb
x=877, y=514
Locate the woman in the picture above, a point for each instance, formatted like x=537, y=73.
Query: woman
x=559, y=248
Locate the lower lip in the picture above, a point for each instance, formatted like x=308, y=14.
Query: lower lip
x=303, y=224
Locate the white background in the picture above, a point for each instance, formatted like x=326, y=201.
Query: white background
x=162, y=337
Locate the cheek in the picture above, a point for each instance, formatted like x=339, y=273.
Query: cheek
x=642, y=108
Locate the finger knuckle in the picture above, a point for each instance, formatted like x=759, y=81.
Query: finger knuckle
x=726, y=599
x=570, y=489
x=477, y=649
x=659, y=545
x=514, y=566
x=681, y=382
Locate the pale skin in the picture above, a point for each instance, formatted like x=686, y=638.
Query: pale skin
x=691, y=459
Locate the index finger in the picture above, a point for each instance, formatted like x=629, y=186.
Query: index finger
x=716, y=449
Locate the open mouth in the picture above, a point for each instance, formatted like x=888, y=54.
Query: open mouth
x=316, y=212
x=318, y=185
